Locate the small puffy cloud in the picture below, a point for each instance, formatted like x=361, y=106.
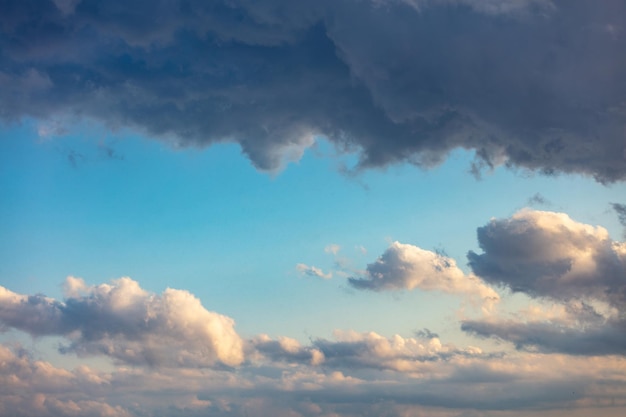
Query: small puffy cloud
x=127, y=323
x=312, y=271
x=362, y=250
x=406, y=267
x=551, y=257
x=333, y=248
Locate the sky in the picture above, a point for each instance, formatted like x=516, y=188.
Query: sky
x=402, y=208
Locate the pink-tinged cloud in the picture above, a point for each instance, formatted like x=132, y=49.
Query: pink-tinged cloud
x=128, y=324
x=408, y=267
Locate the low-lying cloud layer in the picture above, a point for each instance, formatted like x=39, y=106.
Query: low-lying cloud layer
x=537, y=84
x=174, y=357
x=440, y=385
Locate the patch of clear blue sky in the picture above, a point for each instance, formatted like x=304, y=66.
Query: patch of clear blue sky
x=100, y=206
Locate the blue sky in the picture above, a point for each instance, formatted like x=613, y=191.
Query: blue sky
x=270, y=209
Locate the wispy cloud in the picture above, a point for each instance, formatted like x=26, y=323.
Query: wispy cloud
x=313, y=271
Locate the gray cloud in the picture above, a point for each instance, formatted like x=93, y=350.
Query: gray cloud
x=538, y=199
x=549, y=256
x=620, y=209
x=125, y=322
x=536, y=84
x=582, y=338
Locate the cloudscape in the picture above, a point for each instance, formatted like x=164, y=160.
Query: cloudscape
x=403, y=208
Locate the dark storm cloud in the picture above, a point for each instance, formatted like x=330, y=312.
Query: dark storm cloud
x=536, y=84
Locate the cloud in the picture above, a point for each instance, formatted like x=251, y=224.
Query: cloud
x=286, y=349
x=312, y=271
x=620, y=209
x=369, y=375
x=128, y=324
x=551, y=257
x=538, y=200
x=547, y=254
x=36, y=388
x=333, y=248
x=353, y=374
x=406, y=267
x=533, y=84
x=352, y=350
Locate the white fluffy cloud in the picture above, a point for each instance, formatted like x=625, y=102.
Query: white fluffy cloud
x=129, y=324
x=407, y=267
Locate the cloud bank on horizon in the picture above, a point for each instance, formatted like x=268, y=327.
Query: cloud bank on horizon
x=536, y=84
x=160, y=339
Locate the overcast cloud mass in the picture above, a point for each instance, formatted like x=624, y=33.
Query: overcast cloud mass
x=536, y=84
x=352, y=288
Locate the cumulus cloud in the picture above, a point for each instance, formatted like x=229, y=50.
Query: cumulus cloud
x=551, y=257
x=313, y=271
x=127, y=323
x=547, y=254
x=534, y=83
x=406, y=267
